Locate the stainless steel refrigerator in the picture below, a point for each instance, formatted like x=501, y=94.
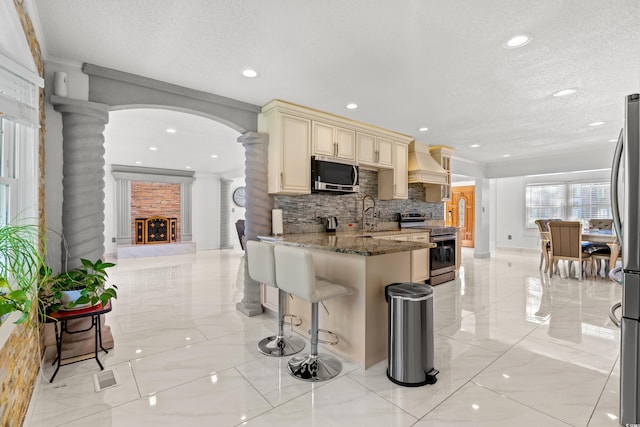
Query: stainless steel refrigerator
x=626, y=216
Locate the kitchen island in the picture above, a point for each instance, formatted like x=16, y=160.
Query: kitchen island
x=366, y=265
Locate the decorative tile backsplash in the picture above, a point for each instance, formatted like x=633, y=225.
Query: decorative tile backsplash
x=303, y=214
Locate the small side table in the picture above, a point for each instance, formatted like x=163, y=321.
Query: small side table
x=63, y=316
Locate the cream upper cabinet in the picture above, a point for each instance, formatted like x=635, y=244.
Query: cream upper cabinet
x=333, y=141
x=393, y=183
x=374, y=150
x=289, y=164
x=296, y=133
x=440, y=193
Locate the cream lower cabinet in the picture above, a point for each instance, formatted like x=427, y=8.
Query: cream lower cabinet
x=269, y=297
x=419, y=257
x=289, y=164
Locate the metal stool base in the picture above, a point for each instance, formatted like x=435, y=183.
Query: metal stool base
x=314, y=368
x=278, y=346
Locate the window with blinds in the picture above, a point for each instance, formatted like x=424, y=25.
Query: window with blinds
x=589, y=201
x=571, y=201
x=545, y=201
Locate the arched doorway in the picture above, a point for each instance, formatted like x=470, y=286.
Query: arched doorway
x=163, y=151
x=114, y=90
x=460, y=212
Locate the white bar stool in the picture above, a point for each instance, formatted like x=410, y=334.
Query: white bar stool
x=295, y=274
x=262, y=268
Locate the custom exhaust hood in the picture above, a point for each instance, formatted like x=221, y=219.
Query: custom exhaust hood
x=423, y=168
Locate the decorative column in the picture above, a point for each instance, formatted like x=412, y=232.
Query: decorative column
x=257, y=209
x=83, y=125
x=225, y=207
x=83, y=163
x=123, y=211
x=186, y=233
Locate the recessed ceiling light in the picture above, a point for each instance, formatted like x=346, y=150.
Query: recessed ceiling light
x=518, y=41
x=153, y=148
x=249, y=73
x=214, y=156
x=475, y=145
x=170, y=130
x=613, y=140
x=138, y=163
x=187, y=167
x=596, y=124
x=352, y=106
x=506, y=155
x=565, y=92
x=423, y=129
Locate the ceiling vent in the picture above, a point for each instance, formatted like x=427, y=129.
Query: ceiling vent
x=423, y=168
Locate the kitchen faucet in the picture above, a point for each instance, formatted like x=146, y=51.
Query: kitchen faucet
x=364, y=211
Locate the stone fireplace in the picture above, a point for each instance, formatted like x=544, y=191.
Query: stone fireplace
x=155, y=212
x=152, y=206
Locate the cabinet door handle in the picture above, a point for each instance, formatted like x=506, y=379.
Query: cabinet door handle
x=281, y=179
x=335, y=149
x=377, y=157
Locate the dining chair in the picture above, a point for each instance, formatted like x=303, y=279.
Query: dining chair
x=545, y=243
x=566, y=244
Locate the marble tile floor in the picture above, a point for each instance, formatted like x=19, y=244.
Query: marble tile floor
x=513, y=347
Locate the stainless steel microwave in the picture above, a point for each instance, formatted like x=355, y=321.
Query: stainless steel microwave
x=329, y=174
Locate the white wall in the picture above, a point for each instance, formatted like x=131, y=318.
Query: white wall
x=110, y=212
x=510, y=215
x=510, y=205
x=206, y=211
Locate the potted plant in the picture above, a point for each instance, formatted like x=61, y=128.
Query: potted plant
x=20, y=262
x=81, y=287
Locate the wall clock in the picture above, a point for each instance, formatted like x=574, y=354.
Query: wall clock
x=238, y=197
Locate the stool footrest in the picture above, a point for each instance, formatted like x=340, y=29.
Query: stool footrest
x=293, y=319
x=335, y=339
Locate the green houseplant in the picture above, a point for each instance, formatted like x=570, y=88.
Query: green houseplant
x=20, y=265
x=80, y=287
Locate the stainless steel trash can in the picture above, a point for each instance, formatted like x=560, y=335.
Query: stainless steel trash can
x=410, y=361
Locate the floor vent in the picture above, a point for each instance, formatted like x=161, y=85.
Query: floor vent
x=105, y=379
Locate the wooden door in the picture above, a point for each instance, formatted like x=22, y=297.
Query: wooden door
x=460, y=212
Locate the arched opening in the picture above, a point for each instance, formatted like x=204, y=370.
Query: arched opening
x=160, y=147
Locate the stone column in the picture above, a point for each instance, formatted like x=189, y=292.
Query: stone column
x=225, y=207
x=83, y=125
x=83, y=163
x=257, y=209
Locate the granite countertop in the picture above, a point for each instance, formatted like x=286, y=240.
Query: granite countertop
x=348, y=243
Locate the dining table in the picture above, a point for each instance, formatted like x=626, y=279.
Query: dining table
x=590, y=235
x=604, y=236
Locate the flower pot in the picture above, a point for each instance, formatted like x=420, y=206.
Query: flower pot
x=71, y=296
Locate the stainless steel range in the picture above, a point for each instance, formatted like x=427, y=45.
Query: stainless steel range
x=442, y=258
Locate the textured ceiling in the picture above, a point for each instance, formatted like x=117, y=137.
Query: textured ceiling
x=406, y=63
